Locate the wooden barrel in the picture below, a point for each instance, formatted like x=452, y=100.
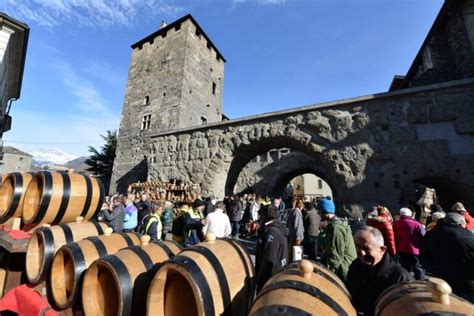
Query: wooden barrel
x=304, y=288
x=118, y=284
x=212, y=278
x=70, y=263
x=433, y=297
x=59, y=197
x=12, y=193
x=46, y=241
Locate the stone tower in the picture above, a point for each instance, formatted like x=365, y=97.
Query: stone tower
x=175, y=81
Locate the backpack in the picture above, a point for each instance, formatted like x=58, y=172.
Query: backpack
x=178, y=226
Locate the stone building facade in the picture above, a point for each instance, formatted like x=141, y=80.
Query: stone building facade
x=368, y=149
x=15, y=160
x=175, y=80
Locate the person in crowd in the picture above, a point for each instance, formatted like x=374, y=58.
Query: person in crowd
x=254, y=208
x=436, y=218
x=408, y=236
x=209, y=206
x=235, y=214
x=280, y=205
x=167, y=218
x=193, y=222
x=295, y=227
x=130, y=220
x=177, y=228
x=339, y=249
x=288, y=194
x=115, y=215
x=383, y=222
x=459, y=208
x=272, y=246
x=311, y=222
x=153, y=225
x=143, y=206
x=448, y=253
x=373, y=271
x=217, y=222
x=99, y=216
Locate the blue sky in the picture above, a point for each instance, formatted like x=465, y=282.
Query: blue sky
x=280, y=54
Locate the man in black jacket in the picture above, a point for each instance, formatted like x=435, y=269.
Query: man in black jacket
x=373, y=271
x=272, y=246
x=144, y=208
x=448, y=253
x=236, y=210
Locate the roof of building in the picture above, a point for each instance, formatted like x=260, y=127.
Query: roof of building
x=174, y=24
x=22, y=32
x=396, y=82
x=15, y=151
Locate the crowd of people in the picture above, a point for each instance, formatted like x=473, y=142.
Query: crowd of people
x=377, y=254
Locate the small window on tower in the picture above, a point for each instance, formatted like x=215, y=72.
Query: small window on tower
x=320, y=184
x=146, y=122
x=146, y=100
x=214, y=86
x=203, y=120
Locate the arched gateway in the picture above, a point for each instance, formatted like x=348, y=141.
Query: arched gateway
x=369, y=149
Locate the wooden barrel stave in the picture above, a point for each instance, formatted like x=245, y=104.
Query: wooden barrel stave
x=59, y=197
x=45, y=242
x=128, y=273
x=321, y=294
x=413, y=298
x=221, y=283
x=70, y=263
x=12, y=194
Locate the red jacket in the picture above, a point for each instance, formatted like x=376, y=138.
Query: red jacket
x=408, y=235
x=384, y=224
x=469, y=220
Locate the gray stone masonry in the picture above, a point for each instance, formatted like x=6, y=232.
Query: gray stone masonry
x=366, y=148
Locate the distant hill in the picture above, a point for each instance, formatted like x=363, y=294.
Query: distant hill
x=78, y=164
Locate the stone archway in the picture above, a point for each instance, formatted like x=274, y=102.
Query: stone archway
x=246, y=152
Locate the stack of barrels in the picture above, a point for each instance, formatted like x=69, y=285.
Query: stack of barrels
x=88, y=268
x=49, y=197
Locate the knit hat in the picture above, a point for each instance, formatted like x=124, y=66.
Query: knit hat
x=197, y=203
x=404, y=211
x=458, y=207
x=326, y=205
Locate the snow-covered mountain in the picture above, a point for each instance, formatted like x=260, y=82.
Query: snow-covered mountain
x=53, y=156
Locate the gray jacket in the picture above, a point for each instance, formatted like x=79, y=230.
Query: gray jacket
x=115, y=218
x=312, y=222
x=295, y=225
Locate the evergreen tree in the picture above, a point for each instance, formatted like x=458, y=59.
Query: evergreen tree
x=101, y=163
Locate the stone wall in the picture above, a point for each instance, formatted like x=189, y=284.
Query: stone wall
x=368, y=149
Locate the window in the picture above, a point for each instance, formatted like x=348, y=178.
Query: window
x=203, y=120
x=320, y=184
x=146, y=122
x=214, y=86
x=146, y=100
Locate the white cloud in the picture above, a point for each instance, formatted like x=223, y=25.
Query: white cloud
x=89, y=13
